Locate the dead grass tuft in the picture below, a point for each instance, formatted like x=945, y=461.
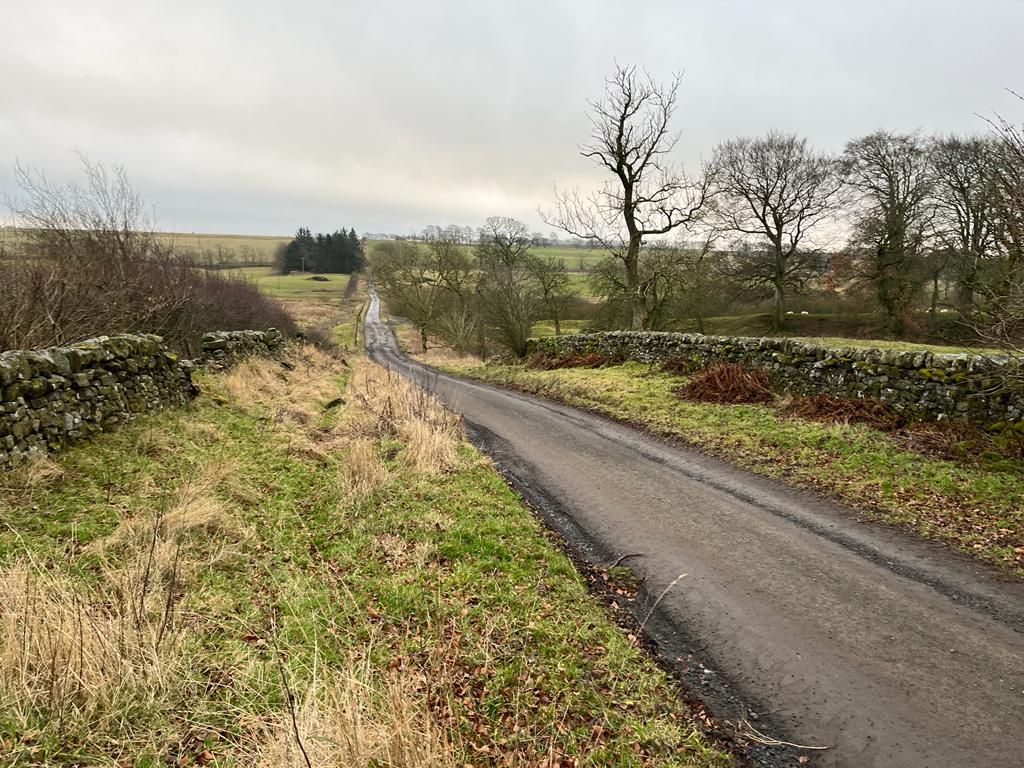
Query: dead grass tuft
x=193, y=514
x=32, y=477
x=85, y=656
x=361, y=718
x=286, y=387
x=153, y=442
x=391, y=408
x=728, y=383
x=400, y=553
x=362, y=471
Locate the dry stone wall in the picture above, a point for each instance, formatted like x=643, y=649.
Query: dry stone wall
x=925, y=384
x=52, y=397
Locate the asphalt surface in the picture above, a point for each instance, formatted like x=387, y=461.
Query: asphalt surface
x=818, y=628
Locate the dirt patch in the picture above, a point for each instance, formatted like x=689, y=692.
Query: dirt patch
x=728, y=383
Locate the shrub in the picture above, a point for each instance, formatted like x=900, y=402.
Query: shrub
x=90, y=264
x=728, y=383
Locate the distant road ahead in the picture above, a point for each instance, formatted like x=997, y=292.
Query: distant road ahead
x=887, y=649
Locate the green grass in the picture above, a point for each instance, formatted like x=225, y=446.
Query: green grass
x=547, y=327
x=295, y=286
x=444, y=583
x=977, y=509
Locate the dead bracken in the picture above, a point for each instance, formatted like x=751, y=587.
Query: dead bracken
x=728, y=383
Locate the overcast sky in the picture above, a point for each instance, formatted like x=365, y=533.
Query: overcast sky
x=386, y=115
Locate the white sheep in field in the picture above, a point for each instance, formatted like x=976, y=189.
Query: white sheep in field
x=805, y=313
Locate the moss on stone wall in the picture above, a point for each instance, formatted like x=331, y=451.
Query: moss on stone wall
x=919, y=383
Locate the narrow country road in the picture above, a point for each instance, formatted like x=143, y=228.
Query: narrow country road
x=822, y=630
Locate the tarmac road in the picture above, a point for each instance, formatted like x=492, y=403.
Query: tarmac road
x=889, y=650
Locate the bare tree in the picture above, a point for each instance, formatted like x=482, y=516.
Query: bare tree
x=775, y=189
x=966, y=221
x=1000, y=319
x=510, y=299
x=647, y=196
x=893, y=183
x=675, y=281
x=407, y=280
x=89, y=262
x=555, y=289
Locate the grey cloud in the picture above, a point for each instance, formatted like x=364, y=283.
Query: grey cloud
x=258, y=117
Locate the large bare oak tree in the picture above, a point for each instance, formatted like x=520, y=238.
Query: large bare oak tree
x=776, y=190
x=647, y=195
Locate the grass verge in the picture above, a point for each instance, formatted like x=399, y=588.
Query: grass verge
x=976, y=507
x=274, y=577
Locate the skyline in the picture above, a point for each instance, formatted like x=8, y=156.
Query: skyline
x=255, y=119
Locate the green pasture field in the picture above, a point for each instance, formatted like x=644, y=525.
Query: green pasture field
x=294, y=286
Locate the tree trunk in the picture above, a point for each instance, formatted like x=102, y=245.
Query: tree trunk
x=779, y=285
x=423, y=338
x=558, y=327
x=633, y=284
x=965, y=296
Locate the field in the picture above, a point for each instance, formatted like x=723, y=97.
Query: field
x=223, y=249
x=201, y=247
x=324, y=288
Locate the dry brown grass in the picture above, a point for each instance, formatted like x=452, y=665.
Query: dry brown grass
x=89, y=650
x=300, y=382
x=359, y=717
x=362, y=469
x=309, y=314
x=436, y=354
x=19, y=484
x=192, y=512
x=86, y=655
x=390, y=408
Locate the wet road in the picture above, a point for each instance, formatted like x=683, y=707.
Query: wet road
x=887, y=649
